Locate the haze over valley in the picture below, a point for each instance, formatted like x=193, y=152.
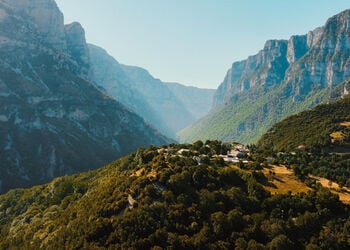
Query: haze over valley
x=99, y=154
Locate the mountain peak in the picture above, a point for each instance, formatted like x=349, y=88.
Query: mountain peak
x=76, y=44
x=44, y=15
x=272, y=43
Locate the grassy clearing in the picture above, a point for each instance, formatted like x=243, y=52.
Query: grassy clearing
x=283, y=180
x=344, y=193
x=142, y=171
x=337, y=136
x=346, y=124
x=139, y=172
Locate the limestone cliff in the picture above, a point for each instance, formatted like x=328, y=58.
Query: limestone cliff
x=44, y=15
x=326, y=63
x=284, y=78
x=76, y=45
x=265, y=68
x=306, y=62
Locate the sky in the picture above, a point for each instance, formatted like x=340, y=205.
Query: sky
x=193, y=42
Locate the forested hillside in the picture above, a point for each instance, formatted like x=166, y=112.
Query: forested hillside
x=326, y=126
x=313, y=142
x=178, y=197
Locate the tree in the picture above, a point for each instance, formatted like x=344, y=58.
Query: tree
x=281, y=242
x=241, y=244
x=220, y=223
x=253, y=245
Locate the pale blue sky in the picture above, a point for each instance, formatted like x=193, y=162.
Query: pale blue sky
x=193, y=42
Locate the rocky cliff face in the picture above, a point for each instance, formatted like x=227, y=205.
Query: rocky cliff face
x=77, y=47
x=266, y=68
x=297, y=47
x=44, y=15
x=52, y=120
x=326, y=63
x=306, y=62
x=284, y=78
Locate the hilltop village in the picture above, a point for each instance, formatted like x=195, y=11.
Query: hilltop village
x=229, y=152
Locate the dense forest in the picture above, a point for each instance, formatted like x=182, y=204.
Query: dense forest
x=174, y=197
x=326, y=127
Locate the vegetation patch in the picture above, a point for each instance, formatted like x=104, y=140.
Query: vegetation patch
x=337, y=136
x=177, y=197
x=314, y=128
x=346, y=124
x=342, y=192
x=283, y=181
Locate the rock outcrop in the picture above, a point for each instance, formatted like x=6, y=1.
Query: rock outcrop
x=44, y=15
x=77, y=47
x=297, y=47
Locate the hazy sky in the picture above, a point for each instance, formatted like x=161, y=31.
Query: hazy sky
x=193, y=42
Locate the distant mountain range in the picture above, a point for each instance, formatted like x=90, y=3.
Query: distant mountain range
x=67, y=106
x=169, y=107
x=285, y=77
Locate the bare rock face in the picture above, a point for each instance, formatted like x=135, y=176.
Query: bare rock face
x=326, y=64
x=76, y=45
x=297, y=47
x=313, y=36
x=265, y=68
x=308, y=62
x=46, y=17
